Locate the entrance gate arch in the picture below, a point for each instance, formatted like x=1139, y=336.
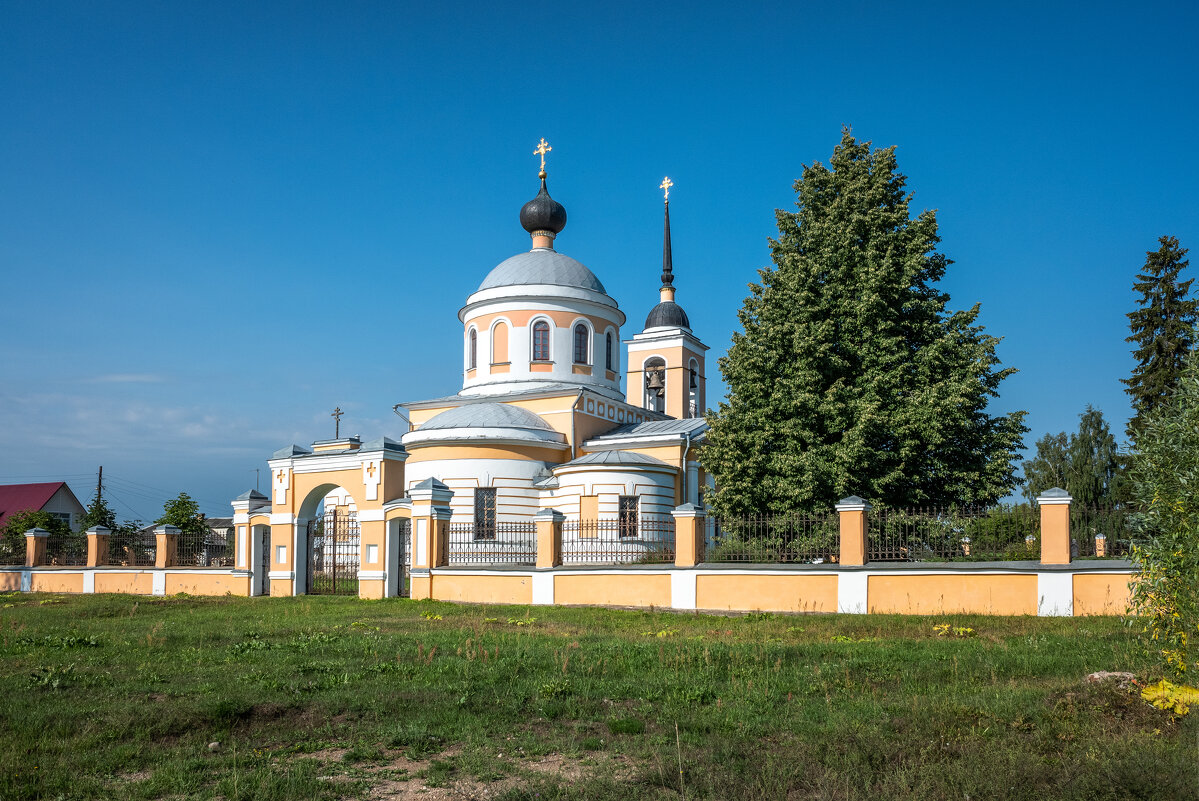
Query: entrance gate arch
x=334, y=555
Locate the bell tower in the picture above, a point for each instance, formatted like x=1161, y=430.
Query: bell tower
x=665, y=364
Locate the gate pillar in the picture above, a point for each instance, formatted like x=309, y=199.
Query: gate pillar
x=430, y=521
x=372, y=574
x=284, y=543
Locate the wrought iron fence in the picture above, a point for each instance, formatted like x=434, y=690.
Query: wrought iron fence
x=131, y=548
x=1105, y=532
x=646, y=539
x=513, y=543
x=953, y=533
x=793, y=538
x=205, y=548
x=66, y=550
x=12, y=550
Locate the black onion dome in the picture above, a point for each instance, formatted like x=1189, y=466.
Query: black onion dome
x=543, y=213
x=667, y=313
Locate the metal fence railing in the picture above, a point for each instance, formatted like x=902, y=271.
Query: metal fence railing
x=509, y=543
x=793, y=538
x=645, y=539
x=12, y=550
x=66, y=550
x=131, y=549
x=953, y=534
x=1104, y=533
x=205, y=548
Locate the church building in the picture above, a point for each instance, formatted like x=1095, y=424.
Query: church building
x=560, y=409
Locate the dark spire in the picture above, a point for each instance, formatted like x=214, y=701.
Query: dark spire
x=667, y=267
x=667, y=313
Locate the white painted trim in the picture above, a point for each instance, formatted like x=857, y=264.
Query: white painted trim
x=372, y=575
x=159, y=586
x=682, y=589
x=370, y=515
x=89, y=581
x=852, y=593
x=26, y=580
x=1055, y=594
x=543, y=589
x=282, y=518
x=288, y=575
x=241, y=517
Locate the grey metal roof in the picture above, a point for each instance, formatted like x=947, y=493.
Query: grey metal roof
x=614, y=458
x=545, y=389
x=382, y=444
x=251, y=495
x=486, y=415
x=657, y=428
x=289, y=451
x=542, y=266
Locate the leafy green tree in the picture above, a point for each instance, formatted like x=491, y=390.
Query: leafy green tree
x=1164, y=473
x=12, y=537
x=184, y=513
x=1087, y=464
x=98, y=513
x=1162, y=329
x=851, y=376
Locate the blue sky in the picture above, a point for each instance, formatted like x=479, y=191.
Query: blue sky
x=219, y=222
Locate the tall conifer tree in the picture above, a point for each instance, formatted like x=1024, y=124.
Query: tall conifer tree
x=1161, y=329
x=851, y=376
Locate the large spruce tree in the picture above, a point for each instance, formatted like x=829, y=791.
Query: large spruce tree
x=1162, y=329
x=851, y=376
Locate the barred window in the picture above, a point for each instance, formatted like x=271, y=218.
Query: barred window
x=628, y=515
x=581, y=344
x=485, y=513
x=541, y=341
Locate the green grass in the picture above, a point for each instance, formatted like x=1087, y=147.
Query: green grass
x=110, y=696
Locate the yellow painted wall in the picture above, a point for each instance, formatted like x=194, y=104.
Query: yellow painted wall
x=10, y=582
x=974, y=593
x=420, y=588
x=132, y=583
x=483, y=589
x=281, y=588
x=57, y=582
x=766, y=593
x=436, y=453
x=631, y=589
x=1100, y=594
x=206, y=584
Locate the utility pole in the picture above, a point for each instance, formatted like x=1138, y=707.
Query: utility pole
x=100, y=482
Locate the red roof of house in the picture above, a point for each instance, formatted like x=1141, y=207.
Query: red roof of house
x=21, y=497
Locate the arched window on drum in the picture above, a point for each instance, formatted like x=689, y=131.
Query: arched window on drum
x=541, y=341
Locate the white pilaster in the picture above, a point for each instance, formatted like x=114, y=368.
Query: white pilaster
x=159, y=586
x=851, y=593
x=543, y=589
x=682, y=589
x=1055, y=594
x=89, y=581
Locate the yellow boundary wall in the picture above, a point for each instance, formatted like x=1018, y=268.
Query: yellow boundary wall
x=1017, y=588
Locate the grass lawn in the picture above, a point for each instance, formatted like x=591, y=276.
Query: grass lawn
x=109, y=696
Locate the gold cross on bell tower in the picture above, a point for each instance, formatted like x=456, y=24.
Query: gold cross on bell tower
x=542, y=149
x=665, y=186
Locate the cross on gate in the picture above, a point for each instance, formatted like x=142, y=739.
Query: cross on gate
x=370, y=469
x=336, y=422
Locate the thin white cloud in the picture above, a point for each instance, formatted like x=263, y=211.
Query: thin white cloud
x=127, y=378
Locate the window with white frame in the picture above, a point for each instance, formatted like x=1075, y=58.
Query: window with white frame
x=541, y=341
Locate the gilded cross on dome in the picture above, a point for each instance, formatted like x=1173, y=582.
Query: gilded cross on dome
x=542, y=149
x=665, y=185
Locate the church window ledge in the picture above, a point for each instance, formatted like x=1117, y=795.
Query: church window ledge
x=581, y=369
x=541, y=366
x=470, y=373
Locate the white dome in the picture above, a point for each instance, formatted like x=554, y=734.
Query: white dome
x=542, y=266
